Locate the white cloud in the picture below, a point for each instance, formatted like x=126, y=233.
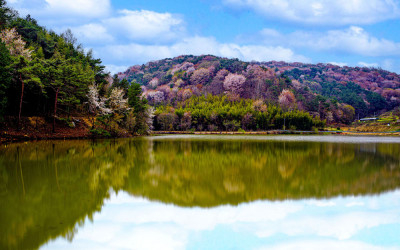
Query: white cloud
x=368, y=65
x=391, y=65
x=86, y=8
x=139, y=53
x=198, y=219
x=341, y=64
x=55, y=14
x=146, y=25
x=266, y=218
x=114, y=69
x=353, y=40
x=92, y=33
x=326, y=245
x=338, y=12
x=322, y=203
x=162, y=237
x=341, y=227
x=108, y=235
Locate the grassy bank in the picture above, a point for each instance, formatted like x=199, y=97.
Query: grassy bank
x=386, y=123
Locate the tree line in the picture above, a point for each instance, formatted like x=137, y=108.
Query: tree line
x=220, y=113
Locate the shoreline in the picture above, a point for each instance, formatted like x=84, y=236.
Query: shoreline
x=21, y=136
x=39, y=128
x=278, y=132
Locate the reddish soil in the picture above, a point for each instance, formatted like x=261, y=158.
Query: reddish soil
x=38, y=128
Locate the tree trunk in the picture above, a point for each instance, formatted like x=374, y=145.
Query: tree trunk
x=20, y=169
x=20, y=103
x=55, y=110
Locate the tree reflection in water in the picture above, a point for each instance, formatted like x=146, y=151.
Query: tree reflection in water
x=49, y=189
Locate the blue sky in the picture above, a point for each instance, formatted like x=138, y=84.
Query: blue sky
x=124, y=33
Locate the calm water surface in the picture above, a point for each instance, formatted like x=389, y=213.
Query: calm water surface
x=202, y=192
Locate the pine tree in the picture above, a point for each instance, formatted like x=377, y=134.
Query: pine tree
x=68, y=81
x=6, y=14
x=5, y=77
x=135, y=98
x=23, y=67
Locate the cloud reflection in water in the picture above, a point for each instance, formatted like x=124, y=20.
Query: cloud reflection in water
x=127, y=222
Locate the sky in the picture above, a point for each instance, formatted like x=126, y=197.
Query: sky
x=123, y=33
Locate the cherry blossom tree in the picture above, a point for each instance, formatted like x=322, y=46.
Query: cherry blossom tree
x=201, y=76
x=259, y=106
x=97, y=104
x=154, y=96
x=186, y=66
x=234, y=83
x=179, y=83
x=15, y=44
x=287, y=100
x=186, y=94
x=216, y=86
x=117, y=102
x=154, y=82
x=256, y=77
x=149, y=117
x=168, y=93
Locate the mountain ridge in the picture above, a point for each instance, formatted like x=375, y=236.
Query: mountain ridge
x=320, y=89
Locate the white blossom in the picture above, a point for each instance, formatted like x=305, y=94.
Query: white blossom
x=155, y=96
x=154, y=82
x=14, y=43
x=234, y=83
x=96, y=103
x=186, y=66
x=117, y=102
x=149, y=118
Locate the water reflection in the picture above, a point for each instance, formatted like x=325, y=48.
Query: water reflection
x=128, y=222
x=50, y=189
x=214, y=172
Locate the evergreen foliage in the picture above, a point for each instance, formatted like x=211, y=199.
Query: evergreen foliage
x=210, y=113
x=5, y=77
x=47, y=74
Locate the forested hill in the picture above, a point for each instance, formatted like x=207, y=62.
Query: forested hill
x=337, y=94
x=49, y=78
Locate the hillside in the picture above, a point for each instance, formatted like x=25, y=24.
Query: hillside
x=337, y=94
x=50, y=85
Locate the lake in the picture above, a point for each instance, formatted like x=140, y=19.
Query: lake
x=202, y=192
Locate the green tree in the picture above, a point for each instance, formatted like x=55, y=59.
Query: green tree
x=135, y=99
x=117, y=83
x=22, y=65
x=140, y=108
x=53, y=71
x=5, y=77
x=33, y=52
x=67, y=80
x=6, y=14
x=347, y=113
